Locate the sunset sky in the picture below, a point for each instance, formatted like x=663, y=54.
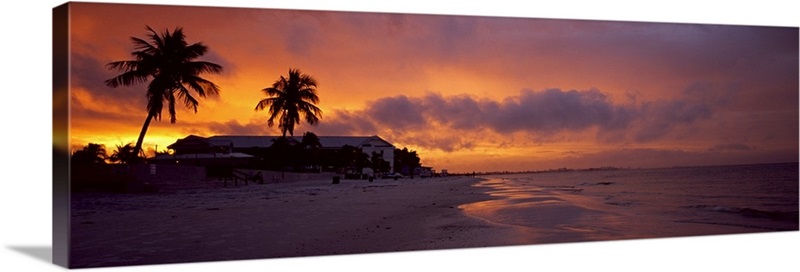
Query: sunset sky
x=467, y=93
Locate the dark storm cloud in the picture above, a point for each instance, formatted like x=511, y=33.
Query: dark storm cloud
x=658, y=118
x=347, y=123
x=543, y=112
x=460, y=111
x=548, y=111
x=91, y=73
x=698, y=101
x=399, y=112
x=554, y=110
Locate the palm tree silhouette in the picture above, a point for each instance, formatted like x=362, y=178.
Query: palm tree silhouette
x=311, y=149
x=125, y=155
x=167, y=60
x=288, y=98
x=89, y=154
x=310, y=140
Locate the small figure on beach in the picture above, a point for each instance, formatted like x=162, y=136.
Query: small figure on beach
x=258, y=177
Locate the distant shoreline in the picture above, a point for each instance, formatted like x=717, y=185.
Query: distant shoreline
x=611, y=168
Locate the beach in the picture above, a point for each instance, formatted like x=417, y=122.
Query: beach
x=316, y=218
x=301, y=218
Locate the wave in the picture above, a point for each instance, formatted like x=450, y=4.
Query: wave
x=597, y=183
x=771, y=228
x=750, y=212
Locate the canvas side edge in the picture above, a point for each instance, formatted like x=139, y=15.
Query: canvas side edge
x=60, y=182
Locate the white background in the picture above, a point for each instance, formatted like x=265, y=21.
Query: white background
x=26, y=163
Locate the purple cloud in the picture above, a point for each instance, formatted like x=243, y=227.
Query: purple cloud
x=346, y=123
x=554, y=110
x=417, y=119
x=399, y=112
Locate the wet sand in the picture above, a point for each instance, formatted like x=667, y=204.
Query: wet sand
x=316, y=218
x=307, y=218
x=561, y=214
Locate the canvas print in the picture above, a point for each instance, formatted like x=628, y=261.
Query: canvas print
x=192, y=134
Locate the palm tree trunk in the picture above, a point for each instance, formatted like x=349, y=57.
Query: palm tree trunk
x=138, y=147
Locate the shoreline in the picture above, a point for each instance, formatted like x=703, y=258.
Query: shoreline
x=316, y=218
x=565, y=212
x=297, y=219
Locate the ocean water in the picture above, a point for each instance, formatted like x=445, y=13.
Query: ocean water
x=642, y=203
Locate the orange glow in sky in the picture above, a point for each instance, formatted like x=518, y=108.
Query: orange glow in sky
x=467, y=93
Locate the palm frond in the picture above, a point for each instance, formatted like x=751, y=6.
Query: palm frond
x=264, y=103
x=142, y=46
x=200, y=67
x=171, y=106
x=201, y=86
x=155, y=98
x=127, y=79
x=188, y=100
x=196, y=50
x=311, y=112
x=271, y=120
x=309, y=94
x=273, y=92
x=123, y=65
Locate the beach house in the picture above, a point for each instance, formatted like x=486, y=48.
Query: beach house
x=242, y=149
